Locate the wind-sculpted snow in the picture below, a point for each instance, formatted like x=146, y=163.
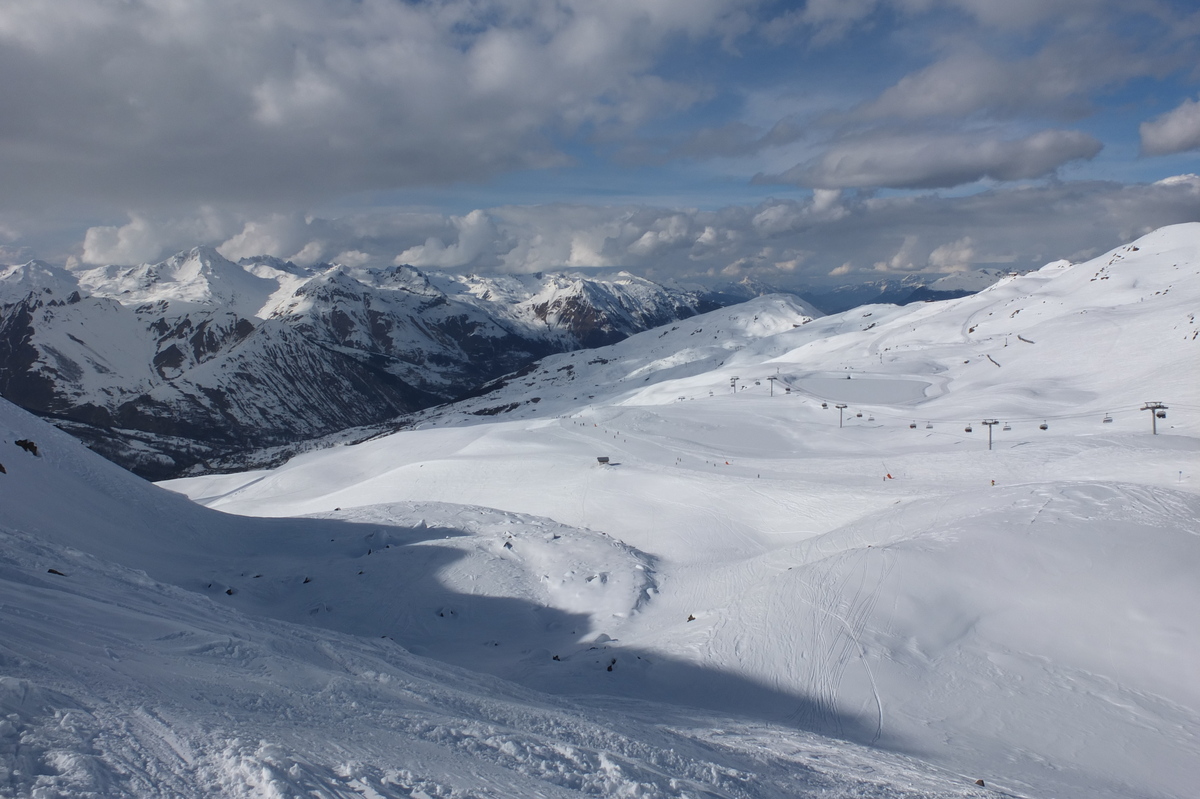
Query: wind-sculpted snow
x=118, y=686
x=1020, y=611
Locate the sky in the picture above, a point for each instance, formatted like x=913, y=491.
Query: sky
x=796, y=143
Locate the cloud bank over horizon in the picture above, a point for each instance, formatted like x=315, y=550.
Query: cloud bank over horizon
x=687, y=138
x=834, y=236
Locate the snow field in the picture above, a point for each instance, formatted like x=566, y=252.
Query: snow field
x=123, y=682
x=1021, y=612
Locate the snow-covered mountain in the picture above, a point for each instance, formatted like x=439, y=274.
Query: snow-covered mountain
x=1012, y=602
x=160, y=366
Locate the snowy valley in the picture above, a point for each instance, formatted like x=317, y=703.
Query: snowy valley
x=801, y=570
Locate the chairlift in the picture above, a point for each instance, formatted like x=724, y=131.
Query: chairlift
x=929, y=425
x=967, y=428
x=1107, y=419
x=1007, y=426
x=912, y=426
x=1043, y=426
x=871, y=418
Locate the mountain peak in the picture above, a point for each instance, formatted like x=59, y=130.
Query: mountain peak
x=200, y=276
x=19, y=280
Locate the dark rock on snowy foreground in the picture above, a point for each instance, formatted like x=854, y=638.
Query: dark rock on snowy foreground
x=165, y=367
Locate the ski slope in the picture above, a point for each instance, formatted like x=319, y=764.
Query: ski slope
x=150, y=647
x=749, y=600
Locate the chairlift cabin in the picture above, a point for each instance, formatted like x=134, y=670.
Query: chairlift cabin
x=1043, y=426
x=1107, y=419
x=871, y=418
x=1007, y=426
x=929, y=425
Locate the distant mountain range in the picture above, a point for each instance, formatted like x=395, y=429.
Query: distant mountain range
x=903, y=291
x=161, y=367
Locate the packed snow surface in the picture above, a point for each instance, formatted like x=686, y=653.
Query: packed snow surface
x=749, y=599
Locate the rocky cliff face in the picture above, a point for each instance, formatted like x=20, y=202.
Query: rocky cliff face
x=164, y=367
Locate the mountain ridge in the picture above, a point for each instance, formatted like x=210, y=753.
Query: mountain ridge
x=164, y=366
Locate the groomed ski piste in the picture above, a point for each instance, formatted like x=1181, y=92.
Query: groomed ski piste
x=749, y=599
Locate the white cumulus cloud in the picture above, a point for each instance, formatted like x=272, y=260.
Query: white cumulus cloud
x=1176, y=131
x=144, y=239
x=477, y=236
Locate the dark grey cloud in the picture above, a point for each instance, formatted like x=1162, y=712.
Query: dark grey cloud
x=930, y=161
x=281, y=101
